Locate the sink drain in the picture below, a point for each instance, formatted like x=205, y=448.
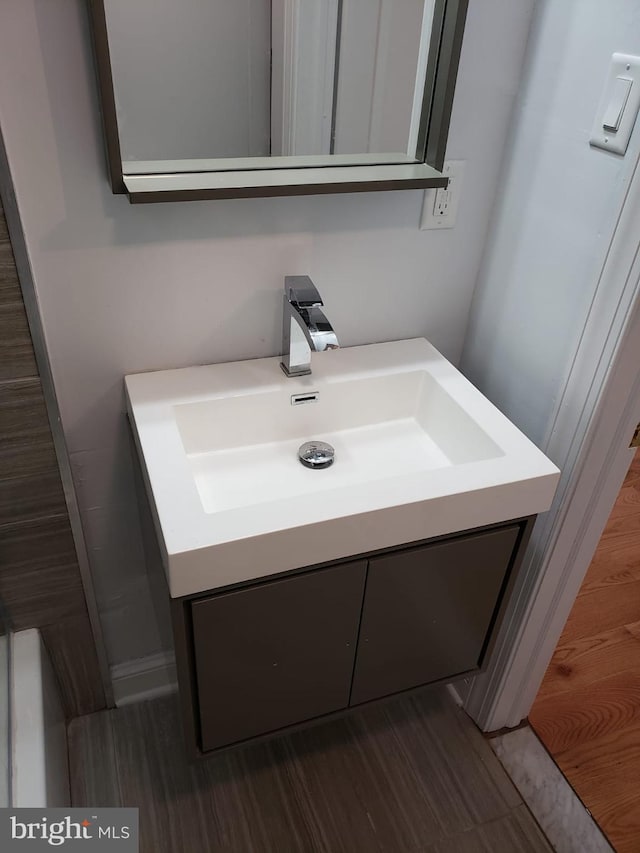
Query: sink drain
x=316, y=454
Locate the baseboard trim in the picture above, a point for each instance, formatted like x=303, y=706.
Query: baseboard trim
x=453, y=692
x=143, y=679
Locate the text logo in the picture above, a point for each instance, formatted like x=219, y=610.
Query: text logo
x=69, y=829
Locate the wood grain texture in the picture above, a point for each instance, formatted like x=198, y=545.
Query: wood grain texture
x=615, y=756
x=9, y=284
x=92, y=761
x=587, y=712
x=31, y=497
x=621, y=819
x=40, y=581
x=604, y=609
x=410, y=775
x=584, y=714
x=73, y=655
x=27, y=447
x=515, y=833
x=574, y=663
x=39, y=578
x=16, y=352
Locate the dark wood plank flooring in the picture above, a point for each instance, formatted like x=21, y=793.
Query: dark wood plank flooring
x=412, y=774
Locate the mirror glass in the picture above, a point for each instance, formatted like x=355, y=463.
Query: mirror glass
x=247, y=82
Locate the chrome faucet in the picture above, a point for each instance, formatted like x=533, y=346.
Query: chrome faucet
x=304, y=326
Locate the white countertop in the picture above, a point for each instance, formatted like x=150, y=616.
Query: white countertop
x=193, y=427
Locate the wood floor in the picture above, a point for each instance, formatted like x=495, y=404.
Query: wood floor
x=409, y=775
x=587, y=712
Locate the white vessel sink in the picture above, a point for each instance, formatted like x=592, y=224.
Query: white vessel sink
x=419, y=452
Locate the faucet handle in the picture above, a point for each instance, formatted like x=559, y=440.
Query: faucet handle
x=301, y=291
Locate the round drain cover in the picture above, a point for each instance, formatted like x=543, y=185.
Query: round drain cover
x=316, y=454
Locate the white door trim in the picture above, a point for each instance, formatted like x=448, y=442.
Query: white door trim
x=421, y=76
x=588, y=439
x=303, y=59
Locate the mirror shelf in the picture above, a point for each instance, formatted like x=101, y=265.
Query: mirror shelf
x=240, y=164
x=356, y=96
x=198, y=186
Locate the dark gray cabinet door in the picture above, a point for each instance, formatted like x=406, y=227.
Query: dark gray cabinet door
x=275, y=654
x=427, y=612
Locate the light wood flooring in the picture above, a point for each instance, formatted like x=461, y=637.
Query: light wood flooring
x=587, y=712
x=412, y=774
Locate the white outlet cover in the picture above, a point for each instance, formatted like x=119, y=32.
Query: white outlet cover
x=628, y=68
x=454, y=170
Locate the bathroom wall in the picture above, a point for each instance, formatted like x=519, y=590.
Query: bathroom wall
x=40, y=580
x=124, y=289
x=555, y=214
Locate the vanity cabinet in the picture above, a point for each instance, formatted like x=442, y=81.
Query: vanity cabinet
x=270, y=655
x=427, y=612
x=259, y=658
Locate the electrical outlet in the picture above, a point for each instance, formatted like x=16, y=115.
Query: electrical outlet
x=440, y=207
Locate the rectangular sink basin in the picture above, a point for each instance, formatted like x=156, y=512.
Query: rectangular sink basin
x=419, y=452
x=243, y=450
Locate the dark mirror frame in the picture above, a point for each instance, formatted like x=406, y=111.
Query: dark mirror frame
x=442, y=70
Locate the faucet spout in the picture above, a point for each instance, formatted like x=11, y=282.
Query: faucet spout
x=316, y=328
x=305, y=326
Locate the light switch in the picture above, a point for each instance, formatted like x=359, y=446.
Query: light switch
x=618, y=100
x=618, y=108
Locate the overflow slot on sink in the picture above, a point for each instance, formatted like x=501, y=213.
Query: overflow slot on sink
x=310, y=397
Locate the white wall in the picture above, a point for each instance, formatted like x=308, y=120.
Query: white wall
x=379, y=49
x=191, y=79
x=558, y=200
x=125, y=289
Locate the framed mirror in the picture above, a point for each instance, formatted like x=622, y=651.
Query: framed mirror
x=239, y=98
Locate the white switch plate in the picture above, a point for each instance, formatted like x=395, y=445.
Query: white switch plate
x=440, y=207
x=625, y=67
